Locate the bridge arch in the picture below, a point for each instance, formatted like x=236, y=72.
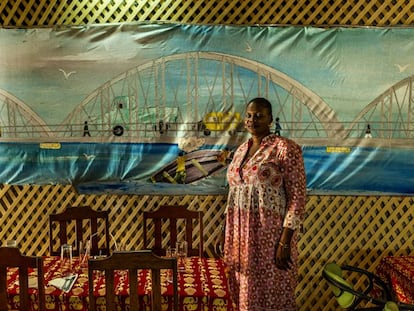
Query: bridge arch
x=17, y=120
x=390, y=115
x=183, y=88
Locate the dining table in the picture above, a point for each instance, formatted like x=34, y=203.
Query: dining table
x=202, y=285
x=398, y=273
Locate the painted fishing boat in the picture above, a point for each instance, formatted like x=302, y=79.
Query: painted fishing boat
x=193, y=166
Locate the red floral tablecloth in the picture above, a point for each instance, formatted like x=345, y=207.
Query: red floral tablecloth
x=398, y=271
x=202, y=286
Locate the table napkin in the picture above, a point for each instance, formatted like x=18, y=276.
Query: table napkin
x=65, y=283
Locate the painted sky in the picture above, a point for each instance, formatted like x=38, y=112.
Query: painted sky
x=346, y=67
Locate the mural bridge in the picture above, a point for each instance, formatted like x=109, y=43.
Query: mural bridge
x=203, y=94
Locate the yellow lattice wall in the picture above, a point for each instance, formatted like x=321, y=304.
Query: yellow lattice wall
x=244, y=12
x=358, y=230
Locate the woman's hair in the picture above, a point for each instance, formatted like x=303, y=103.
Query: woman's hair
x=262, y=102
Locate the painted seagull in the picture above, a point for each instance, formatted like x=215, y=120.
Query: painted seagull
x=67, y=74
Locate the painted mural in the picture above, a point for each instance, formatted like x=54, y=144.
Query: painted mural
x=158, y=108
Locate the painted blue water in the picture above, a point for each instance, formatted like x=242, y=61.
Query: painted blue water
x=366, y=170
x=127, y=167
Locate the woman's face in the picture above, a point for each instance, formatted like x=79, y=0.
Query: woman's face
x=257, y=120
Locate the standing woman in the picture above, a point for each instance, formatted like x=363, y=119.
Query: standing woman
x=265, y=209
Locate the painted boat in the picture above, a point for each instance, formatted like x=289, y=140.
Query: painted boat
x=193, y=166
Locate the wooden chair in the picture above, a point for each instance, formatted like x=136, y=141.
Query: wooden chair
x=79, y=215
x=173, y=213
x=10, y=257
x=132, y=261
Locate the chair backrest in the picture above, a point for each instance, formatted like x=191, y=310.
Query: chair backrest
x=10, y=257
x=133, y=261
x=175, y=215
x=78, y=215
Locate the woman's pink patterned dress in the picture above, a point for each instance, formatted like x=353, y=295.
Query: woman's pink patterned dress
x=266, y=194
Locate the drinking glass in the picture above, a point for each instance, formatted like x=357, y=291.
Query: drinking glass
x=171, y=252
x=182, y=251
x=66, y=259
x=84, y=253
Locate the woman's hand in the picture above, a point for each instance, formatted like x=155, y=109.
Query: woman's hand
x=282, y=250
x=219, y=245
x=282, y=256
